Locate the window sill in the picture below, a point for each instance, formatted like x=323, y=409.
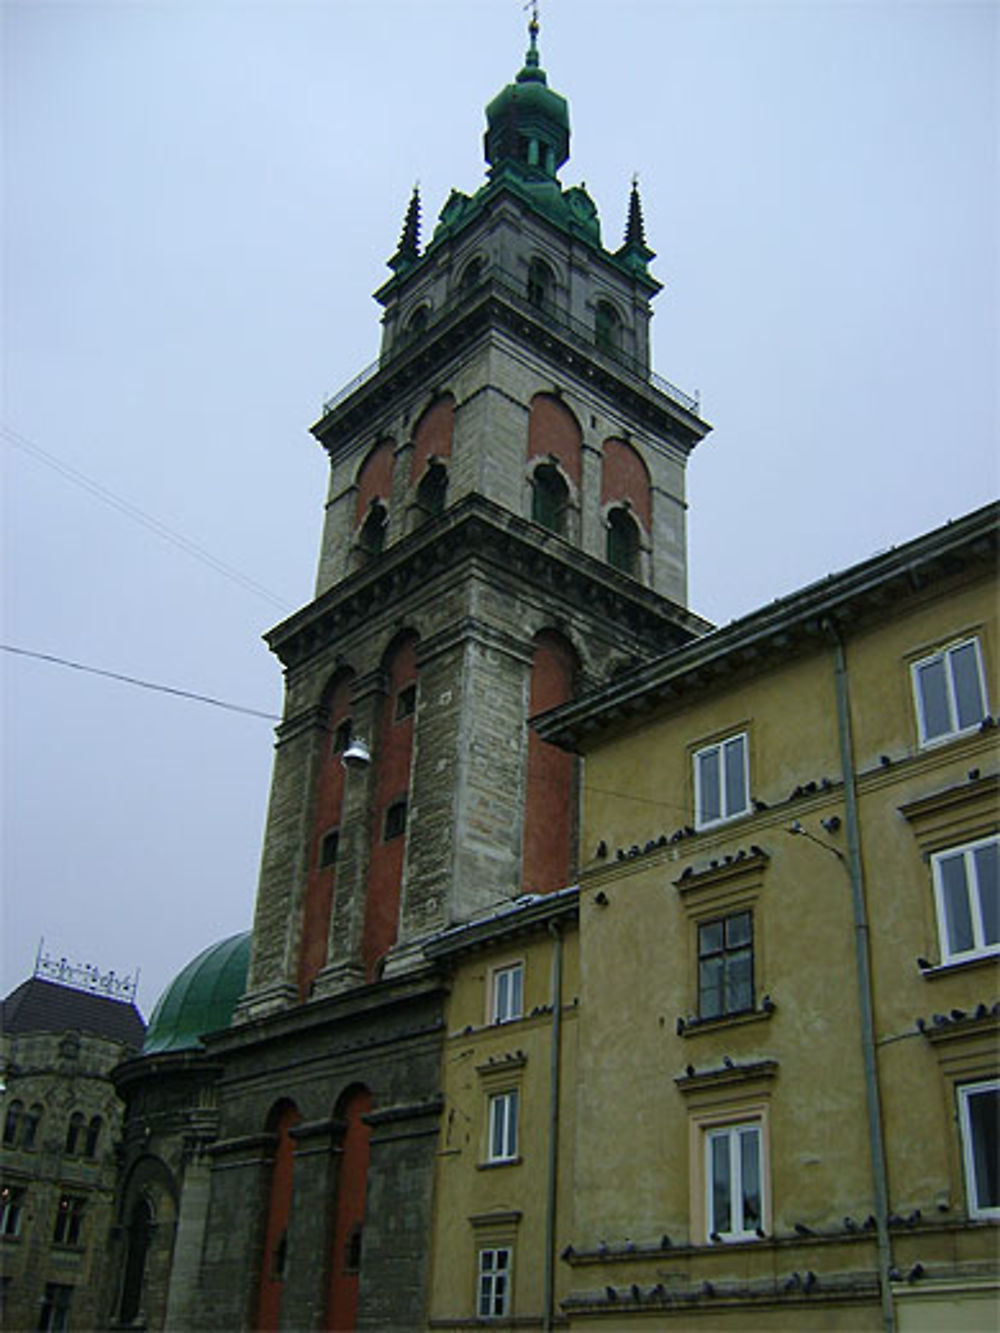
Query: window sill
x=694, y=1027
x=500, y=1162
x=960, y=965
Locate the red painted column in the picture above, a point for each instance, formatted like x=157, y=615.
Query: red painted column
x=349, y=1214
x=549, y=821
x=272, y=1262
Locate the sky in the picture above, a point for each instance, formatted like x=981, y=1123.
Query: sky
x=200, y=197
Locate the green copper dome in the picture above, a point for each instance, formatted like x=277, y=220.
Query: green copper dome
x=201, y=998
x=527, y=124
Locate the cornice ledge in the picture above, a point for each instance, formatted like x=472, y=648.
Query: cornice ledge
x=692, y=1080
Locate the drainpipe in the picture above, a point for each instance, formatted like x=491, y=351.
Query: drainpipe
x=863, y=960
x=548, y=1321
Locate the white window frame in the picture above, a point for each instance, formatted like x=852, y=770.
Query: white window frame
x=981, y=948
x=505, y=1008
x=493, y=1282
x=733, y=1135
x=945, y=656
x=502, y=1126
x=726, y=812
x=966, y=1091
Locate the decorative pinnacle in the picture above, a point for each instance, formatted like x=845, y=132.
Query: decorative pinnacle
x=408, y=250
x=635, y=232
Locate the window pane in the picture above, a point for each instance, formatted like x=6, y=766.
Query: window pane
x=738, y=929
x=514, y=1008
x=502, y=1000
x=987, y=861
x=984, y=1115
x=711, y=972
x=710, y=938
x=934, y=698
x=739, y=981
x=736, y=787
x=511, y=1125
x=955, y=903
x=721, y=1220
x=968, y=687
x=750, y=1176
x=496, y=1127
x=709, y=806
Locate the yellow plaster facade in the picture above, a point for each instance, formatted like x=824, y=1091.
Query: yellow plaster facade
x=500, y=1219
x=724, y=1175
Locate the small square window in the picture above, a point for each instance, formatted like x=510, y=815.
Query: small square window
x=721, y=781
x=725, y=965
x=967, y=892
x=328, y=848
x=406, y=702
x=494, y=1282
x=503, y=1126
x=508, y=993
x=395, y=820
x=734, y=1182
x=950, y=692
x=979, y=1118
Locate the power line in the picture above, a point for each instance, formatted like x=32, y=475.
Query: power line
x=135, y=680
x=140, y=516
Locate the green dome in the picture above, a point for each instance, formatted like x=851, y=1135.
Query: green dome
x=527, y=124
x=201, y=998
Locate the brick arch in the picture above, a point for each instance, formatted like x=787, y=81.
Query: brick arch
x=554, y=432
x=432, y=434
x=282, y=1118
x=549, y=822
x=392, y=755
x=349, y=1206
x=374, y=479
x=625, y=477
x=328, y=799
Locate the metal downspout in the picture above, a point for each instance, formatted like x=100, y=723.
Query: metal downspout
x=862, y=957
x=550, y=1197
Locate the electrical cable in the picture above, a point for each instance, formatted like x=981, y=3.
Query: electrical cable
x=135, y=680
x=140, y=516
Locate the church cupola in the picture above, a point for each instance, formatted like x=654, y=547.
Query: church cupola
x=527, y=124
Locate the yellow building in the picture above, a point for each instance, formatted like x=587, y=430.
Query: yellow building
x=786, y=1100
x=504, y=1171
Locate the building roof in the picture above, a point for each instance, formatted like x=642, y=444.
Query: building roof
x=201, y=998
x=46, y=1006
x=872, y=588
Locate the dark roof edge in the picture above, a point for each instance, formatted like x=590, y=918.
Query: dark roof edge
x=532, y=912
x=973, y=536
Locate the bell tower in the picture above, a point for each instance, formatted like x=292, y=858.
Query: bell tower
x=504, y=528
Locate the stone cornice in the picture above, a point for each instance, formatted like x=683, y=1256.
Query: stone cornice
x=476, y=529
x=791, y=624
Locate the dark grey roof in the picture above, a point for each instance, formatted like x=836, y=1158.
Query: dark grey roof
x=45, y=1006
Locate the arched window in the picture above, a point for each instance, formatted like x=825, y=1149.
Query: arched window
x=541, y=284
x=607, y=328
x=472, y=273
x=623, y=541
x=31, y=1122
x=74, y=1133
x=371, y=539
x=432, y=491
x=10, y=1124
x=93, y=1135
x=140, y=1230
x=418, y=321
x=549, y=498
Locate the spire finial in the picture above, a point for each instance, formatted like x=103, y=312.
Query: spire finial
x=532, y=57
x=408, y=250
x=635, y=232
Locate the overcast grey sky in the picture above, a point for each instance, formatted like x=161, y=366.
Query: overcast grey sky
x=199, y=199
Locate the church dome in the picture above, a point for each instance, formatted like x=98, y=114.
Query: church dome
x=201, y=998
x=527, y=124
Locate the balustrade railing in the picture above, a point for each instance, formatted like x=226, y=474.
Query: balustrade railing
x=581, y=334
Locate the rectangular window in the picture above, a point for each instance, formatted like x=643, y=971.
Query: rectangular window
x=967, y=891
x=950, y=692
x=721, y=784
x=494, y=1283
x=55, y=1308
x=733, y=1177
x=979, y=1117
x=11, y=1202
x=508, y=990
x=395, y=821
x=406, y=702
x=328, y=848
x=503, y=1126
x=725, y=965
x=69, y=1220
